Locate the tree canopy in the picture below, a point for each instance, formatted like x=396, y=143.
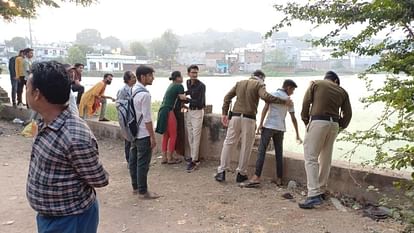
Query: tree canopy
x=137, y=49
x=165, y=47
x=11, y=9
x=112, y=41
x=17, y=43
x=88, y=37
x=393, y=135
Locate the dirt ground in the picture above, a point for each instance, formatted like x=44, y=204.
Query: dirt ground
x=191, y=202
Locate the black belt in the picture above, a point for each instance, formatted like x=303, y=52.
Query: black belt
x=195, y=108
x=244, y=115
x=325, y=118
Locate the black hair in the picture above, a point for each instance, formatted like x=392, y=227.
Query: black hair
x=52, y=80
x=77, y=65
x=332, y=76
x=67, y=66
x=192, y=67
x=143, y=70
x=128, y=76
x=175, y=75
x=259, y=73
x=107, y=75
x=289, y=83
x=27, y=50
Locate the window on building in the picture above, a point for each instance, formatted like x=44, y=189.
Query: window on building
x=106, y=64
x=54, y=52
x=115, y=65
x=46, y=52
x=61, y=53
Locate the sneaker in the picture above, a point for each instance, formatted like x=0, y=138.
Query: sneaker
x=14, y=105
x=148, y=196
x=192, y=166
x=103, y=119
x=220, y=177
x=311, y=202
x=240, y=178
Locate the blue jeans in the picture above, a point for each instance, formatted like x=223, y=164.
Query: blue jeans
x=139, y=161
x=13, y=82
x=86, y=222
x=277, y=137
x=127, y=150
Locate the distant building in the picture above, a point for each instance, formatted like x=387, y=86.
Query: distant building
x=112, y=62
x=253, y=60
x=50, y=52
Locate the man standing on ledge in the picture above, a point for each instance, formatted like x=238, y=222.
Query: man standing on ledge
x=243, y=122
x=64, y=165
x=326, y=110
x=197, y=91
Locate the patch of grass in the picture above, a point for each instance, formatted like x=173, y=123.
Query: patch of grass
x=112, y=114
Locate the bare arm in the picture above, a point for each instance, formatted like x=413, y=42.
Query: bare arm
x=262, y=117
x=150, y=129
x=295, y=125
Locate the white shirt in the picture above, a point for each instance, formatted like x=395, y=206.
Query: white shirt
x=277, y=112
x=142, y=105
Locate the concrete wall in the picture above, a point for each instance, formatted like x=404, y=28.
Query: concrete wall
x=346, y=178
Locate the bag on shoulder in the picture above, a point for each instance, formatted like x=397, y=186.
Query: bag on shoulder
x=127, y=118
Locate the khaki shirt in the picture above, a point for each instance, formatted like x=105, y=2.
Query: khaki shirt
x=326, y=98
x=19, y=66
x=248, y=93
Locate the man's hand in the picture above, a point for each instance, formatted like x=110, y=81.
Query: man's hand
x=259, y=129
x=298, y=140
x=224, y=120
x=153, y=142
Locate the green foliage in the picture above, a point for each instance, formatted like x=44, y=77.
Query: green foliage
x=278, y=57
x=112, y=42
x=165, y=47
x=17, y=43
x=76, y=55
x=393, y=134
x=10, y=9
x=219, y=45
x=137, y=49
x=88, y=37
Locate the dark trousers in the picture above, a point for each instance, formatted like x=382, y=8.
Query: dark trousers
x=127, y=150
x=14, y=82
x=277, y=137
x=139, y=161
x=180, y=143
x=20, y=85
x=80, y=89
x=86, y=222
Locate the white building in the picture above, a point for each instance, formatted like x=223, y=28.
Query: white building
x=50, y=52
x=111, y=62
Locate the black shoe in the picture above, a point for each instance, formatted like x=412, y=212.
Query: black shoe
x=324, y=196
x=103, y=119
x=192, y=165
x=221, y=176
x=311, y=202
x=240, y=178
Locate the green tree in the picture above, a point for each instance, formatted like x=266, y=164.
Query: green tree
x=76, y=55
x=220, y=45
x=27, y=9
x=112, y=42
x=165, y=47
x=393, y=18
x=17, y=43
x=88, y=37
x=278, y=57
x=137, y=49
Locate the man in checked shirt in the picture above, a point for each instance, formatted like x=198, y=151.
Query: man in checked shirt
x=64, y=166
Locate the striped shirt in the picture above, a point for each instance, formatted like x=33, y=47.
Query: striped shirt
x=64, y=167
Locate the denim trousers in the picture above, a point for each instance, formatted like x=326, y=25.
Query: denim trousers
x=139, y=161
x=277, y=137
x=127, y=150
x=86, y=222
x=14, y=83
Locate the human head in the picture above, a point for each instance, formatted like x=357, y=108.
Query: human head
x=192, y=71
x=28, y=53
x=21, y=52
x=289, y=86
x=129, y=78
x=79, y=67
x=176, y=77
x=108, y=78
x=47, y=85
x=145, y=75
x=330, y=75
x=259, y=74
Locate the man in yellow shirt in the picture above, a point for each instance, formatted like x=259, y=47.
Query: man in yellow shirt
x=94, y=98
x=19, y=69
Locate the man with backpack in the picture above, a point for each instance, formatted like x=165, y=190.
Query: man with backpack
x=144, y=140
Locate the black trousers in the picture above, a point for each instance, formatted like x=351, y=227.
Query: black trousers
x=277, y=137
x=80, y=89
x=20, y=85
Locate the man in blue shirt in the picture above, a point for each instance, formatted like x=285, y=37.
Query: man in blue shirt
x=274, y=127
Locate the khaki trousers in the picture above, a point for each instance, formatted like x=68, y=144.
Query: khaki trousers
x=194, y=126
x=239, y=128
x=318, y=146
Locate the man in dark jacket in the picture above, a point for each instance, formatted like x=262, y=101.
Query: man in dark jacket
x=13, y=80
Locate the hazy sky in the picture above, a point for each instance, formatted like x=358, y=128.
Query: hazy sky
x=143, y=20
